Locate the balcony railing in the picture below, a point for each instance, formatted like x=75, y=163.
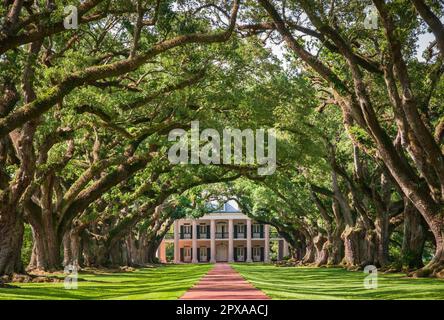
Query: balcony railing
x=240, y=235
x=221, y=235
x=224, y=235
x=203, y=235
x=257, y=235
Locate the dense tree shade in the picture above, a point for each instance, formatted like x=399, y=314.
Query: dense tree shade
x=85, y=114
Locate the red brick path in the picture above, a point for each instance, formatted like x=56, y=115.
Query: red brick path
x=223, y=283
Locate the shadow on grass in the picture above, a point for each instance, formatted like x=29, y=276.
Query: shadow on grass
x=335, y=283
x=165, y=282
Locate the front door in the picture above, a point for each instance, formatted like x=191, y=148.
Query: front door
x=221, y=253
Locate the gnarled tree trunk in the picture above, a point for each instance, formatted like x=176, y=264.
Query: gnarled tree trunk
x=436, y=266
x=72, y=248
x=414, y=237
x=46, y=253
x=310, y=251
x=320, y=243
x=335, y=249
x=11, y=238
x=359, y=245
x=382, y=240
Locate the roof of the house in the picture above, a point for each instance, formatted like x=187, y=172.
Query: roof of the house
x=225, y=208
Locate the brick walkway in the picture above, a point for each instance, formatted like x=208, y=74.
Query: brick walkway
x=223, y=283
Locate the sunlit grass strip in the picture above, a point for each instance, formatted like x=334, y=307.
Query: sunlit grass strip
x=335, y=283
x=160, y=283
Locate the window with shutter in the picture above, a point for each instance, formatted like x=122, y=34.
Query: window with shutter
x=241, y=231
x=256, y=253
x=256, y=229
x=187, y=254
x=203, y=254
x=186, y=231
x=240, y=254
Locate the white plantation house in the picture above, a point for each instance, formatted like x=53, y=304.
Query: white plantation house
x=224, y=235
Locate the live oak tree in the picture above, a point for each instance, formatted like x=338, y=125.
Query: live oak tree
x=59, y=62
x=359, y=66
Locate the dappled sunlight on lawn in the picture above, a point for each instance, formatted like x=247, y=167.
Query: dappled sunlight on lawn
x=336, y=283
x=163, y=282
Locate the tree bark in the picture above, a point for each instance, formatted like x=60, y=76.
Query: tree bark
x=321, y=245
x=414, y=237
x=46, y=250
x=310, y=250
x=11, y=238
x=153, y=245
x=382, y=239
x=359, y=245
x=46, y=254
x=335, y=248
x=435, y=267
x=72, y=248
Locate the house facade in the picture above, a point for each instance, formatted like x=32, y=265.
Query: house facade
x=224, y=235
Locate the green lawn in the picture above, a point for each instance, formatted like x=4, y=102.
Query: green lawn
x=163, y=282
x=171, y=281
x=334, y=283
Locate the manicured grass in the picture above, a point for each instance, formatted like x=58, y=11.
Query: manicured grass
x=167, y=282
x=171, y=281
x=334, y=283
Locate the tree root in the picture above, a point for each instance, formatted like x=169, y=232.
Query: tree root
x=432, y=270
x=26, y=278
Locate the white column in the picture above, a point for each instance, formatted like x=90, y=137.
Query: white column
x=162, y=252
x=285, y=251
x=176, y=242
x=230, y=240
x=249, y=241
x=213, y=241
x=267, y=243
x=194, y=235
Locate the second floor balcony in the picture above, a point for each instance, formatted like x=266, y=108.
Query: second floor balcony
x=222, y=235
x=204, y=235
x=186, y=235
x=200, y=235
x=239, y=232
x=240, y=235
